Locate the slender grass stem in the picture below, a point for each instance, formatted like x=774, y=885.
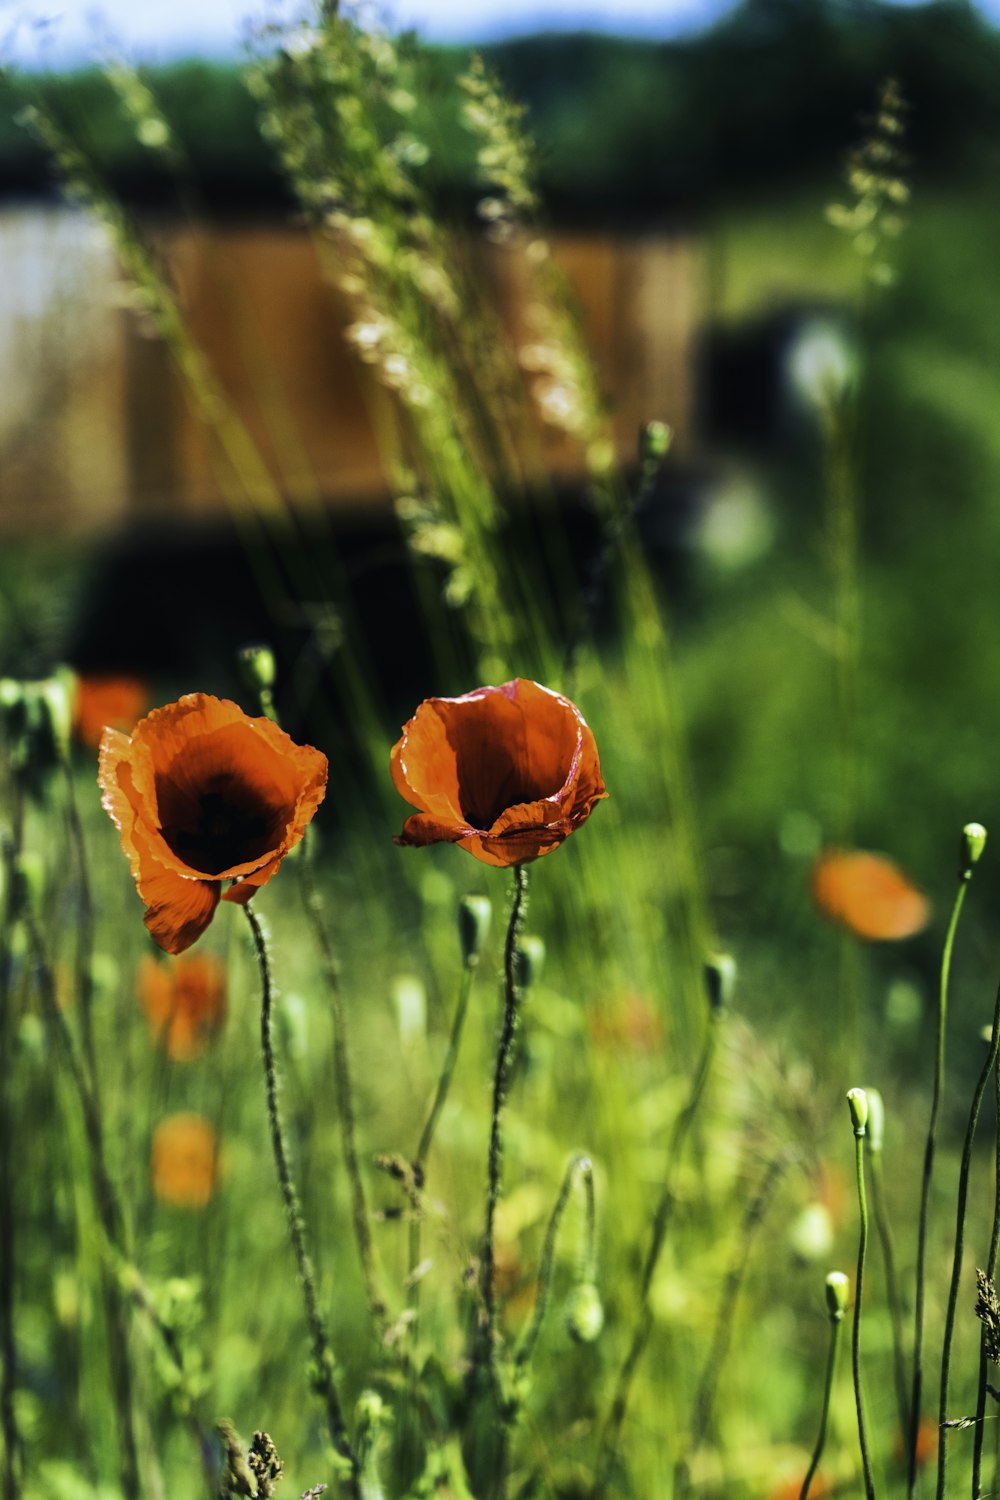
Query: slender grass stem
x=580, y=1168
x=85, y=935
x=859, y=1289
x=489, y=1334
x=661, y=1219
x=322, y=1353
x=836, y=1290
x=925, y=1189
x=437, y=1105
x=884, y=1231
x=956, y=1269
x=991, y=1265
x=12, y=1457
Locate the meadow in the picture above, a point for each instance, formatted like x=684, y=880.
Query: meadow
x=523, y=1164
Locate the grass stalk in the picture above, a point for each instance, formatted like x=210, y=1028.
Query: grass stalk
x=991, y=1265
x=956, y=1269
x=325, y=1377
x=873, y=1141
x=12, y=1456
x=579, y=1169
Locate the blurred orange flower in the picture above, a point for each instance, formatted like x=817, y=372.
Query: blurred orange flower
x=201, y=794
x=506, y=772
x=868, y=894
x=101, y=702
x=185, y=1161
x=185, y=1002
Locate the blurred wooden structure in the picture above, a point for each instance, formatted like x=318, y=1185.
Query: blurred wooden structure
x=94, y=427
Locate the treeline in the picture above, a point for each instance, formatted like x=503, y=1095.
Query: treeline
x=767, y=97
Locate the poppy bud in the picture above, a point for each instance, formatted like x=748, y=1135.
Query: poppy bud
x=259, y=674
x=530, y=961
x=720, y=980
x=837, y=1289
x=474, y=914
x=654, y=440
x=857, y=1103
x=55, y=697
x=584, y=1313
x=876, y=1120
x=971, y=848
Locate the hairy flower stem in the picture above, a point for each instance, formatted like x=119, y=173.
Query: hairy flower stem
x=440, y=1095
x=487, y=1351
x=661, y=1220
x=345, y=1095
x=322, y=1353
x=859, y=1289
x=991, y=1265
x=925, y=1191
x=85, y=935
x=832, y=1359
x=956, y=1269
x=884, y=1232
x=580, y=1168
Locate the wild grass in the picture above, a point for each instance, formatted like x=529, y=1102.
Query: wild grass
x=677, y=1169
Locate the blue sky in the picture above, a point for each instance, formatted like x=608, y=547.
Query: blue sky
x=153, y=30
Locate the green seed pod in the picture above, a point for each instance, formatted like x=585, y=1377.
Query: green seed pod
x=584, y=1313
x=654, y=441
x=837, y=1290
x=529, y=961
x=876, y=1120
x=857, y=1103
x=720, y=981
x=474, y=916
x=972, y=845
x=257, y=668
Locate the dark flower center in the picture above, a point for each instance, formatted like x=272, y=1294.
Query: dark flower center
x=219, y=824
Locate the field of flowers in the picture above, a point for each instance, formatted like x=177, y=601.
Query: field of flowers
x=571, y=1090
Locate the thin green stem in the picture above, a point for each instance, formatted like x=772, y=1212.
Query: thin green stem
x=991, y=1265
x=322, y=1353
x=345, y=1095
x=580, y=1167
x=833, y=1356
x=892, y=1287
x=859, y=1291
x=437, y=1105
x=661, y=1220
x=85, y=935
x=956, y=1269
x=12, y=1458
x=488, y=1341
x=925, y=1191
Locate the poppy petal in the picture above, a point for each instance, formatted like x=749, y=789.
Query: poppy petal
x=248, y=887
x=177, y=909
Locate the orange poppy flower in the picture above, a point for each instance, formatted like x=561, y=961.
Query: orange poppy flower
x=506, y=772
x=185, y=1002
x=100, y=702
x=184, y=1163
x=868, y=894
x=202, y=794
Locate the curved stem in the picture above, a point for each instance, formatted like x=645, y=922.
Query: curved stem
x=661, y=1219
x=437, y=1105
x=322, y=1353
x=582, y=1167
x=859, y=1290
x=345, y=1095
x=925, y=1191
x=836, y=1328
x=956, y=1269
x=488, y=1341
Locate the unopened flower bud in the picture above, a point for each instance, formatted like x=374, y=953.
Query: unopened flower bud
x=720, y=981
x=257, y=667
x=584, y=1313
x=654, y=440
x=857, y=1103
x=837, y=1290
x=972, y=845
x=530, y=961
x=474, y=916
x=876, y=1120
